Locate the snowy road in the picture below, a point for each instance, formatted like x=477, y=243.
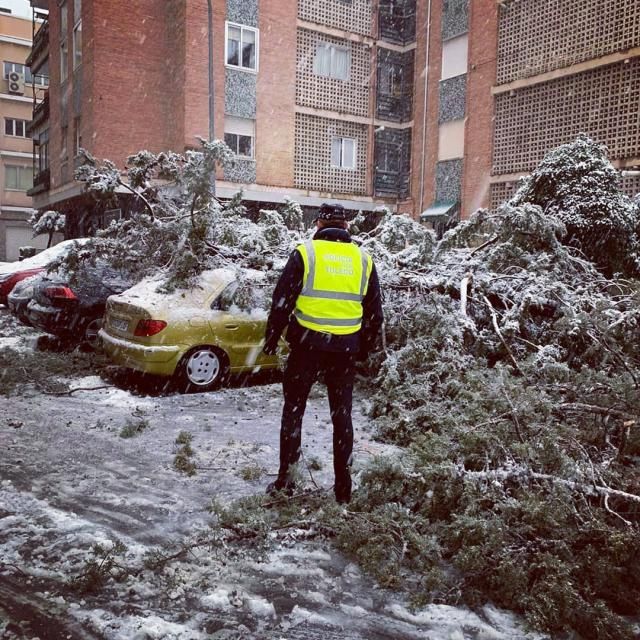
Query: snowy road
x=68, y=481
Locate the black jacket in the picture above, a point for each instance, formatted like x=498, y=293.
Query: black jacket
x=284, y=301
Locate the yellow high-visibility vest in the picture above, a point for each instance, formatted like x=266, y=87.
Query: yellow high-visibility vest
x=336, y=278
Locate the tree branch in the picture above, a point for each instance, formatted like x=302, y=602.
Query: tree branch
x=516, y=422
x=484, y=245
x=147, y=204
x=582, y=407
x=464, y=292
x=519, y=472
x=70, y=391
x=496, y=327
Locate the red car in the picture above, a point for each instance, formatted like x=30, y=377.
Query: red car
x=12, y=272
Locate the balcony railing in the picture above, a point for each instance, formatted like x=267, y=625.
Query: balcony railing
x=40, y=115
x=41, y=182
x=40, y=47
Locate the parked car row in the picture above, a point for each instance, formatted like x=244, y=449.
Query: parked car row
x=197, y=336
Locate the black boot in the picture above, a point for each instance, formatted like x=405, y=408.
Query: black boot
x=342, y=490
x=287, y=487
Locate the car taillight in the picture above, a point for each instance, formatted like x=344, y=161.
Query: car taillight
x=148, y=328
x=6, y=284
x=59, y=292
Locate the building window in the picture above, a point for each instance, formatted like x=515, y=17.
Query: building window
x=64, y=136
x=23, y=70
x=15, y=127
x=77, y=33
x=390, y=80
x=343, y=153
x=397, y=20
x=239, y=144
x=64, y=46
x=242, y=47
x=77, y=45
x=454, y=57
x=43, y=151
x=64, y=61
x=451, y=140
x=239, y=135
x=388, y=158
x=64, y=16
x=332, y=61
x=78, y=136
x=18, y=178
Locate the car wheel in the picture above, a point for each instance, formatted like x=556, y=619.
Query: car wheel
x=202, y=369
x=90, y=336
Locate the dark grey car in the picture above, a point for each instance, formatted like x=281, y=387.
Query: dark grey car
x=73, y=311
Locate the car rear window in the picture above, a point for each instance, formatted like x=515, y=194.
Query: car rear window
x=245, y=296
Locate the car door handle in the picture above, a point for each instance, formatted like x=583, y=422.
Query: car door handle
x=231, y=326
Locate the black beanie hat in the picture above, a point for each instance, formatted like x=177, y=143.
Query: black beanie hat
x=332, y=212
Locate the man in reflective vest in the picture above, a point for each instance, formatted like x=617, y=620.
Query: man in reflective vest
x=328, y=298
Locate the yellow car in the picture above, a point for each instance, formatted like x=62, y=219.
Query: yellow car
x=197, y=335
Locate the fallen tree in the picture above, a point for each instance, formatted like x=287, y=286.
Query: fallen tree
x=510, y=376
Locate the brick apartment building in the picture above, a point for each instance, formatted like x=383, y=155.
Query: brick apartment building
x=508, y=80
x=431, y=107
x=295, y=94
x=16, y=164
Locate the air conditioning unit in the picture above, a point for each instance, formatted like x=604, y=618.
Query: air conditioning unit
x=16, y=83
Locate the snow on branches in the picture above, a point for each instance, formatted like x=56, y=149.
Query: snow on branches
x=510, y=374
x=182, y=228
x=47, y=223
x=577, y=184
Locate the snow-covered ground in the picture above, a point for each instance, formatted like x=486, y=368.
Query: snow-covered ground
x=68, y=481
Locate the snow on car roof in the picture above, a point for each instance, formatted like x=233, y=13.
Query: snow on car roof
x=148, y=292
x=42, y=259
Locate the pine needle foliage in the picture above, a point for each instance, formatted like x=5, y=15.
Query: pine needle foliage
x=511, y=376
x=510, y=380
x=182, y=229
x=577, y=184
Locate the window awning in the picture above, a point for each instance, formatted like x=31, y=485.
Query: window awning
x=438, y=211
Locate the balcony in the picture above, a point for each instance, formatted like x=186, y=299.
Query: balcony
x=41, y=183
x=40, y=48
x=397, y=21
x=40, y=115
x=392, y=161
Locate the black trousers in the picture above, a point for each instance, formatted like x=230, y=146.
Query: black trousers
x=302, y=370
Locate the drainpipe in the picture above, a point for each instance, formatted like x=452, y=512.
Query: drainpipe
x=211, y=88
x=424, y=113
